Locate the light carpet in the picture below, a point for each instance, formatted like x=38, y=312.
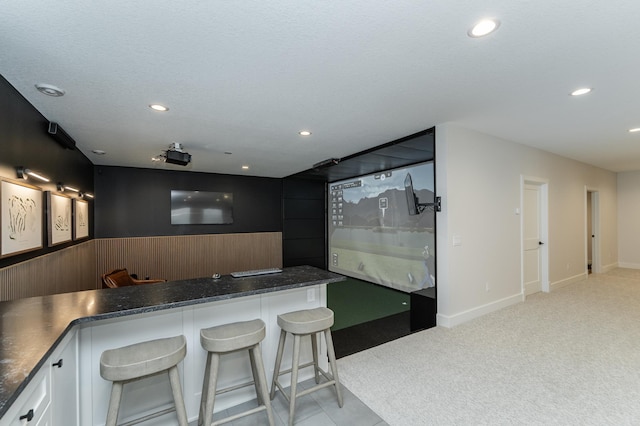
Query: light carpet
x=567, y=357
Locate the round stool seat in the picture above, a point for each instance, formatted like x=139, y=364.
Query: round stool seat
x=232, y=337
x=142, y=359
x=306, y=321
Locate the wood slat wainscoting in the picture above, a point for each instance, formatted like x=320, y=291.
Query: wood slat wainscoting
x=63, y=271
x=189, y=256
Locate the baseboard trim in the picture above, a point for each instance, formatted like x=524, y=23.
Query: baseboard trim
x=567, y=281
x=621, y=265
x=450, y=321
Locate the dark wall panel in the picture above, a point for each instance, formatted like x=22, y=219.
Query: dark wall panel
x=133, y=202
x=24, y=141
x=304, y=231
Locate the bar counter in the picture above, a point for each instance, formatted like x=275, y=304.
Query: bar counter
x=32, y=328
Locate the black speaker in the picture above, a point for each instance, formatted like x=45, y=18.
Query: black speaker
x=177, y=157
x=60, y=136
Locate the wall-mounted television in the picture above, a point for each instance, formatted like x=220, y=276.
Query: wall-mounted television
x=379, y=229
x=201, y=207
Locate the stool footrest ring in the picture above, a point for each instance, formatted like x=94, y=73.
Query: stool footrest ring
x=149, y=417
x=239, y=415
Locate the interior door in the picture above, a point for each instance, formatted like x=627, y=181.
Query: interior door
x=532, y=266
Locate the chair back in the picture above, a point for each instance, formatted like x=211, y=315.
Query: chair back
x=117, y=278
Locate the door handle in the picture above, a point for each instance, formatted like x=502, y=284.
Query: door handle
x=540, y=243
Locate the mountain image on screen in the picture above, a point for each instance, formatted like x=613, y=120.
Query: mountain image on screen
x=377, y=232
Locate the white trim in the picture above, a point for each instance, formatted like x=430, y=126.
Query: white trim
x=450, y=321
x=571, y=280
x=621, y=265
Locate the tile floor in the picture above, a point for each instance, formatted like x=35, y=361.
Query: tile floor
x=318, y=408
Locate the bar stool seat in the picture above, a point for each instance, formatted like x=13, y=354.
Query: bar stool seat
x=245, y=335
x=140, y=360
x=308, y=322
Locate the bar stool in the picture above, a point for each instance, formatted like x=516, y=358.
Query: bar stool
x=308, y=322
x=134, y=362
x=227, y=338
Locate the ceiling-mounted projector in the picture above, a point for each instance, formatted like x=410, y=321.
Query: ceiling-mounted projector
x=176, y=155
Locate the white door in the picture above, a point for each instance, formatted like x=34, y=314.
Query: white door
x=531, y=258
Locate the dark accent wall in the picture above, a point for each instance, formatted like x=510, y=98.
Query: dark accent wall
x=24, y=141
x=132, y=202
x=304, y=223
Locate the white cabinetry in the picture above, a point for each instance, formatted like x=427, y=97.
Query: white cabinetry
x=32, y=406
x=51, y=398
x=64, y=381
x=69, y=391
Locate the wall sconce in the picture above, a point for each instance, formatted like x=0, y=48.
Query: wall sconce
x=24, y=173
x=62, y=187
x=86, y=195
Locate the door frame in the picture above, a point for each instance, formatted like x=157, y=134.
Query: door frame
x=596, y=266
x=543, y=184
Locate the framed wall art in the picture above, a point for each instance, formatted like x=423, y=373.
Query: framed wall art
x=58, y=218
x=80, y=219
x=20, y=217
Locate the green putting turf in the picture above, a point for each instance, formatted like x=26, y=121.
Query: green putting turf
x=355, y=302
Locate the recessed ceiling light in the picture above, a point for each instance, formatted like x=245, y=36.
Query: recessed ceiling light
x=50, y=90
x=582, y=91
x=158, y=107
x=483, y=28
x=635, y=129
x=304, y=133
x=98, y=152
x=245, y=167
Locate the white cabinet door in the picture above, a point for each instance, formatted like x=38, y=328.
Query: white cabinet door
x=64, y=382
x=32, y=406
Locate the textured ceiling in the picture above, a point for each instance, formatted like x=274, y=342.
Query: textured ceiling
x=243, y=77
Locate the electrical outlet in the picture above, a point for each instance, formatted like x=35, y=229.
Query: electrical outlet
x=311, y=295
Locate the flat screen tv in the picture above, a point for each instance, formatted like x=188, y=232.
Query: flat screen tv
x=381, y=227
x=201, y=207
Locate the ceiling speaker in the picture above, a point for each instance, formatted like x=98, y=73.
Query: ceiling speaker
x=60, y=136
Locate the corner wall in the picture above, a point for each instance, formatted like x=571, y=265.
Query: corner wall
x=478, y=177
x=628, y=219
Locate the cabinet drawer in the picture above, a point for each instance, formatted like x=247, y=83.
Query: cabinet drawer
x=32, y=404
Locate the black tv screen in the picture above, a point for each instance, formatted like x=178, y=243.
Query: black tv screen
x=201, y=207
x=381, y=227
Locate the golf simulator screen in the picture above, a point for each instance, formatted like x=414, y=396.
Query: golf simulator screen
x=381, y=227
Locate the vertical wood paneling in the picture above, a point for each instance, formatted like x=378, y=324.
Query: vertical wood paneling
x=189, y=256
x=70, y=269
x=173, y=258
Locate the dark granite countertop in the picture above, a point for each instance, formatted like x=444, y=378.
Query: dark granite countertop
x=32, y=328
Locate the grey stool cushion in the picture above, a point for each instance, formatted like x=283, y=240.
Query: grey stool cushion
x=306, y=321
x=232, y=337
x=142, y=359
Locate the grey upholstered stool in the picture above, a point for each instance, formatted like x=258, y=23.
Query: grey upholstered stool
x=227, y=338
x=309, y=322
x=134, y=362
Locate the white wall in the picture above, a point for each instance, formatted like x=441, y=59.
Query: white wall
x=478, y=177
x=628, y=219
